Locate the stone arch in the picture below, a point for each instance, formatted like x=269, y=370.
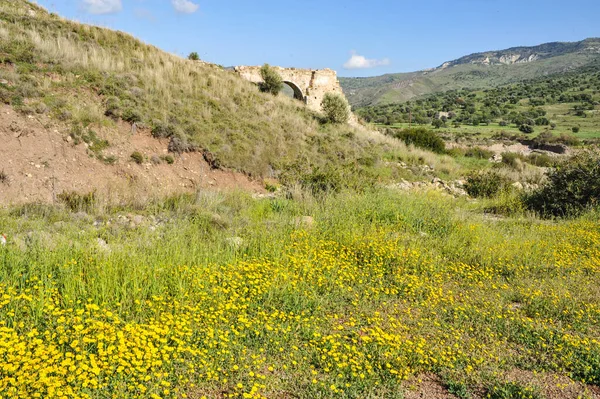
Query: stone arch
x=298, y=94
x=309, y=85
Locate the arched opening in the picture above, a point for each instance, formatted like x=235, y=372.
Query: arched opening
x=292, y=90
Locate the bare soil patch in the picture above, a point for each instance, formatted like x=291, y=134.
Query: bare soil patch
x=40, y=162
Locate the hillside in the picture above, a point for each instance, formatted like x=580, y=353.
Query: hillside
x=560, y=104
x=94, y=93
x=475, y=71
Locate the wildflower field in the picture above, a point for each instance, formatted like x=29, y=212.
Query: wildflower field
x=382, y=288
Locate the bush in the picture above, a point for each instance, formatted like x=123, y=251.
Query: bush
x=525, y=128
x=437, y=123
x=179, y=144
x=137, y=157
x=513, y=159
x=541, y=121
x=479, y=153
x=575, y=129
x=486, y=183
x=572, y=187
x=272, y=82
x=77, y=202
x=162, y=129
x=113, y=108
x=336, y=108
x=193, y=56
x=541, y=160
x=169, y=159
x=420, y=137
x=131, y=115
x=511, y=390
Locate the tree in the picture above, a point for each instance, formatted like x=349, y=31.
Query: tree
x=437, y=123
x=335, y=107
x=272, y=82
x=193, y=56
x=525, y=128
x=571, y=188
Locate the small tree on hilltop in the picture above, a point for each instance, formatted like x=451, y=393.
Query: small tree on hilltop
x=335, y=108
x=194, y=56
x=272, y=82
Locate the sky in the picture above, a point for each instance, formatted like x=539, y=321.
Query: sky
x=355, y=38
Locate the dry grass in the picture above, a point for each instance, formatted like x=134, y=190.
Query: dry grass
x=250, y=131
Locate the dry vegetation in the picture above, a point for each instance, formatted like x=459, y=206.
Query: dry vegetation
x=90, y=76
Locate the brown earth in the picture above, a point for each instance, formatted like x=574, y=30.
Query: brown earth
x=554, y=386
x=426, y=386
x=39, y=161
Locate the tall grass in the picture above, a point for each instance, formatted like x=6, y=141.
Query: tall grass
x=421, y=282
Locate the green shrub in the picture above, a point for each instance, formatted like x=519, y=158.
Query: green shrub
x=479, y=153
x=541, y=160
x=525, y=128
x=575, y=129
x=420, y=137
x=113, y=108
x=193, y=56
x=272, y=82
x=179, y=144
x=512, y=390
x=323, y=180
x=336, y=108
x=169, y=159
x=131, y=115
x=513, y=159
x=572, y=187
x=76, y=201
x=137, y=157
x=163, y=129
x=486, y=183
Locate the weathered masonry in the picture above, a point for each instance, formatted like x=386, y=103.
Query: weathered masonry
x=309, y=85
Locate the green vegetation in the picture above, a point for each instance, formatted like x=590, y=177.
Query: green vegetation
x=486, y=183
x=137, y=157
x=358, y=271
x=335, y=108
x=557, y=104
x=219, y=293
x=93, y=79
x=272, y=82
x=419, y=137
x=471, y=73
x=194, y=56
x=573, y=187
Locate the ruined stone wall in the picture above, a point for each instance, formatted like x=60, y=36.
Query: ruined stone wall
x=310, y=84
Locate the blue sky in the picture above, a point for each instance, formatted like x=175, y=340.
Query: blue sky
x=356, y=38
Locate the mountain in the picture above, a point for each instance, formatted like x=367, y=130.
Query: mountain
x=479, y=70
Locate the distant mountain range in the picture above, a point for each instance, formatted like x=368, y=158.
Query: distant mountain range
x=479, y=70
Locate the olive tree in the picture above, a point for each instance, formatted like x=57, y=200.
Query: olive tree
x=336, y=108
x=272, y=82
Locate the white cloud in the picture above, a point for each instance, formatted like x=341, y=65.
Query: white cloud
x=185, y=6
x=102, y=6
x=360, y=62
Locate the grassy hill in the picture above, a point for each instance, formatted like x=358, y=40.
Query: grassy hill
x=368, y=276
x=95, y=81
x=476, y=71
x=560, y=104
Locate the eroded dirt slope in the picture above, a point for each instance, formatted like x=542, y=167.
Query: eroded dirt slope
x=39, y=160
